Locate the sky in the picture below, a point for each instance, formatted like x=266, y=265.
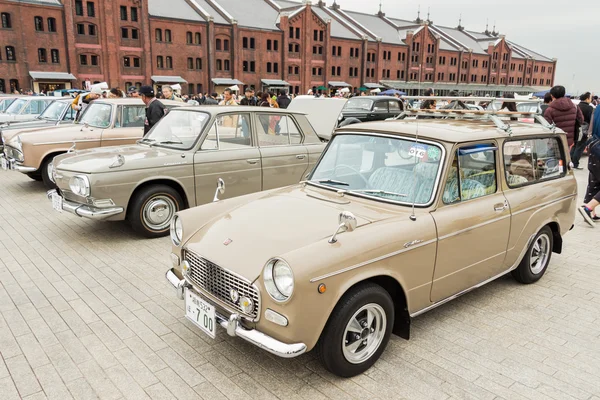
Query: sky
x=555, y=28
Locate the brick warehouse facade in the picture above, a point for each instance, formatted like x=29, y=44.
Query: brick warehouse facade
x=207, y=45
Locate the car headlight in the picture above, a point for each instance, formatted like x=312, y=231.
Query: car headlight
x=176, y=230
x=80, y=185
x=279, y=279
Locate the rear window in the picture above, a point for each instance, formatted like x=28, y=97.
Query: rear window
x=533, y=160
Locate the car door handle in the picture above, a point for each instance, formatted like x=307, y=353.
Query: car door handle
x=301, y=156
x=501, y=206
x=252, y=161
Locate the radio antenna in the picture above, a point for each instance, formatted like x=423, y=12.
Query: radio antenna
x=413, y=216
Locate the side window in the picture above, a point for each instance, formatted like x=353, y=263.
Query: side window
x=532, y=160
x=230, y=131
x=381, y=106
x=69, y=114
x=472, y=174
x=394, y=106
x=277, y=130
x=133, y=117
x=34, y=107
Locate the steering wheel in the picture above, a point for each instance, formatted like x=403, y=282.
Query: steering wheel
x=353, y=170
x=403, y=153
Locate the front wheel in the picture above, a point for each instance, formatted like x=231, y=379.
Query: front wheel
x=152, y=210
x=46, y=171
x=35, y=176
x=536, y=260
x=357, y=331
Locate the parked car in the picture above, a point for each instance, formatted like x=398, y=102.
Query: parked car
x=397, y=218
x=59, y=112
x=7, y=100
x=106, y=122
x=177, y=164
x=371, y=108
x=26, y=108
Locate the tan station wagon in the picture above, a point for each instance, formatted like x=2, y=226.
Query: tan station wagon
x=106, y=122
x=397, y=218
x=178, y=163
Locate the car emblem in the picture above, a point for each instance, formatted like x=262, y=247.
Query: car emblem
x=410, y=244
x=234, y=295
x=227, y=242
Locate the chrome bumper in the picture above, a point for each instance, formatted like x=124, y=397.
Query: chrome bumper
x=85, y=211
x=12, y=165
x=234, y=328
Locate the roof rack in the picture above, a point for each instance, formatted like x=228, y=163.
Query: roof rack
x=471, y=98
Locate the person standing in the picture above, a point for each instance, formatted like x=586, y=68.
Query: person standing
x=168, y=94
x=592, y=194
x=249, y=99
x=587, y=110
x=547, y=101
x=563, y=113
x=283, y=100
x=211, y=100
x=155, y=110
x=228, y=99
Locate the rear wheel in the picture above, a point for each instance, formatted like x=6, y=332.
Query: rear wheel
x=152, y=210
x=536, y=260
x=35, y=176
x=45, y=172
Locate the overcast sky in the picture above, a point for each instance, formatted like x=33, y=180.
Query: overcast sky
x=556, y=29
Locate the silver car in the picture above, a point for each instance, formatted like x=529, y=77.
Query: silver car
x=26, y=108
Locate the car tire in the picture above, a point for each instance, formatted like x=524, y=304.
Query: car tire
x=35, y=176
x=536, y=260
x=45, y=174
x=337, y=349
x=152, y=209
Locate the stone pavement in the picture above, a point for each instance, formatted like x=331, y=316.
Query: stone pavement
x=85, y=312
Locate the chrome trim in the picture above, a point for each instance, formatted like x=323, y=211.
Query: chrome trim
x=454, y=296
x=128, y=138
x=23, y=169
x=545, y=204
x=86, y=211
x=355, y=266
x=474, y=227
x=67, y=141
x=234, y=328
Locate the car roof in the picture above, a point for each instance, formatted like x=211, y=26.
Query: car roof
x=136, y=101
x=35, y=97
x=375, y=97
x=448, y=130
x=213, y=110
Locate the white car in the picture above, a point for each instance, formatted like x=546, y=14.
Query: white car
x=26, y=108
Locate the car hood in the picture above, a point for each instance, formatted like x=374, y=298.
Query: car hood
x=322, y=113
x=8, y=117
x=279, y=222
x=56, y=134
x=119, y=158
x=10, y=131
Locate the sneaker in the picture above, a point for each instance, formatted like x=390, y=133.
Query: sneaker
x=596, y=218
x=587, y=215
x=571, y=165
x=578, y=167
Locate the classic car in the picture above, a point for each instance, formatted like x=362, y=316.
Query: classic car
x=106, y=122
x=25, y=108
x=7, y=100
x=371, y=108
x=397, y=218
x=176, y=165
x=57, y=113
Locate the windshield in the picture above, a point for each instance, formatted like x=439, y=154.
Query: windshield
x=5, y=103
x=54, y=111
x=392, y=169
x=358, y=103
x=178, y=129
x=16, y=106
x=97, y=115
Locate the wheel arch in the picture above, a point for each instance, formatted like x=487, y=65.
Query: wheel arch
x=557, y=242
x=160, y=181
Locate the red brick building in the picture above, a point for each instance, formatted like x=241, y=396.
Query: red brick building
x=207, y=45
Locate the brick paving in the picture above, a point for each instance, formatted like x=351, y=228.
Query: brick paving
x=85, y=313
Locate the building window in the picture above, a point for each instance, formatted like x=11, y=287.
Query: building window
x=245, y=42
x=158, y=35
x=54, y=56
x=269, y=68
x=218, y=44
x=159, y=62
x=10, y=53
x=219, y=65
x=269, y=44
x=6, y=24
x=197, y=38
x=91, y=12
x=168, y=35
x=79, y=7
x=94, y=60
x=92, y=30
x=297, y=33
x=80, y=29
x=135, y=34
x=294, y=48
x=133, y=13
x=225, y=45
x=124, y=33
x=42, y=55
x=51, y=25
x=291, y=32
x=199, y=88
x=83, y=59
x=252, y=66
x=198, y=63
x=123, y=13
x=39, y=23
x=188, y=37
x=190, y=63
x=226, y=65
x=318, y=50
x=127, y=62
x=169, y=62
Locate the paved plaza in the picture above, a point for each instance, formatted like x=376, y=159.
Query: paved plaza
x=85, y=312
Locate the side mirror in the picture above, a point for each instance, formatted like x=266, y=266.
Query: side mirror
x=220, y=189
x=347, y=223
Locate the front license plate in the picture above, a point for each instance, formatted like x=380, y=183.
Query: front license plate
x=200, y=313
x=57, y=202
x=4, y=163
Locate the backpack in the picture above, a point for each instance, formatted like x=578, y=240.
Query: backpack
x=594, y=147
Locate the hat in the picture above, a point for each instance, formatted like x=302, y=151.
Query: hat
x=96, y=90
x=146, y=91
x=132, y=89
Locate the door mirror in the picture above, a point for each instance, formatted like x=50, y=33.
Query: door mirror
x=220, y=189
x=347, y=223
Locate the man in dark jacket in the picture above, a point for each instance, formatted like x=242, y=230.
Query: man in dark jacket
x=563, y=113
x=155, y=110
x=283, y=100
x=249, y=98
x=587, y=110
x=211, y=100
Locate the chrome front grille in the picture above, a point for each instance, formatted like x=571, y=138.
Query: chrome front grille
x=219, y=282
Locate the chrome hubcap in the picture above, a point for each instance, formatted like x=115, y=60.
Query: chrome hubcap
x=364, y=333
x=158, y=212
x=539, y=254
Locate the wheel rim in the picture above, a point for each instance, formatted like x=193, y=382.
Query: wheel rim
x=364, y=333
x=158, y=212
x=540, y=252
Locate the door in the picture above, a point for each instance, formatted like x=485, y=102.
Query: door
x=473, y=223
x=228, y=153
x=284, y=156
x=380, y=111
x=128, y=127
x=395, y=108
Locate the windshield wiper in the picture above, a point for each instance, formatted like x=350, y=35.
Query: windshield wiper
x=375, y=191
x=333, y=182
x=146, y=140
x=168, y=142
